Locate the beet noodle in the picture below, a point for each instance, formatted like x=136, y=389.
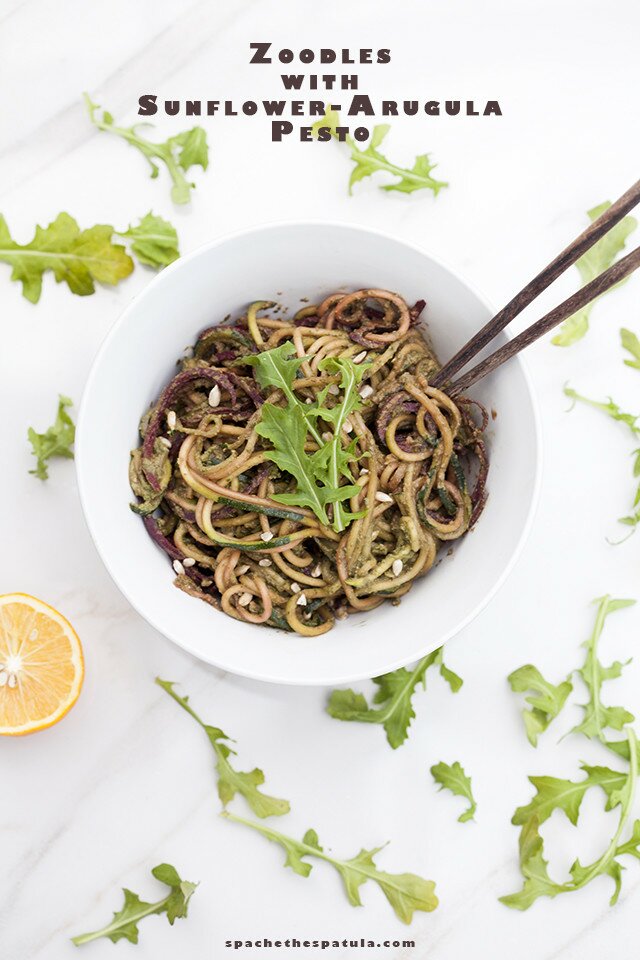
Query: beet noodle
x=205, y=487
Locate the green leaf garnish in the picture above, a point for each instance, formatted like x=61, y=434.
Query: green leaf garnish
x=406, y=892
x=153, y=241
x=556, y=794
x=598, y=717
x=178, y=154
x=55, y=442
x=318, y=475
x=452, y=777
x=75, y=257
x=591, y=264
x=124, y=925
x=231, y=781
x=546, y=700
x=395, y=693
x=567, y=796
x=370, y=161
x=631, y=344
x=631, y=420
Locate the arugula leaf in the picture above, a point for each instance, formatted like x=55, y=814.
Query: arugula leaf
x=339, y=458
x=591, y=264
x=317, y=475
x=55, y=442
x=554, y=793
x=609, y=407
x=546, y=699
x=534, y=867
x=286, y=430
x=278, y=368
x=370, y=160
x=124, y=925
x=452, y=777
x=76, y=257
x=395, y=692
x=154, y=241
x=231, y=781
x=630, y=342
x=179, y=153
x=597, y=716
x=616, y=413
x=406, y=892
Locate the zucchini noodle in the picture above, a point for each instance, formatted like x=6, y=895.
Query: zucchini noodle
x=207, y=490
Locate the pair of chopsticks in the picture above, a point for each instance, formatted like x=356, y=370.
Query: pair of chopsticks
x=621, y=269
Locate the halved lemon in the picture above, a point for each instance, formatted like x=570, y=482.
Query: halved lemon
x=41, y=665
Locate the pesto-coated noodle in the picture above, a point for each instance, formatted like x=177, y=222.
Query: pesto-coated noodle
x=207, y=490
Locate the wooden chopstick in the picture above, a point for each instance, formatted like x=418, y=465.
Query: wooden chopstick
x=621, y=269
x=594, y=232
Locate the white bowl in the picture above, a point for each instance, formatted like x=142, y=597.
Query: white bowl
x=287, y=262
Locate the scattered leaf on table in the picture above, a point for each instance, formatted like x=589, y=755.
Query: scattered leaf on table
x=452, y=777
x=591, y=264
x=57, y=440
x=124, y=925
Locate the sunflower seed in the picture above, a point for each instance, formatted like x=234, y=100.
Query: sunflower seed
x=214, y=396
x=360, y=357
x=317, y=571
x=245, y=599
x=301, y=601
x=347, y=426
x=266, y=536
x=366, y=391
x=397, y=567
x=334, y=390
x=264, y=563
x=295, y=588
x=188, y=562
x=13, y=680
x=177, y=566
x=383, y=497
x=171, y=419
x=165, y=442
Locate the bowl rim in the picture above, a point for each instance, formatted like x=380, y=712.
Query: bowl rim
x=167, y=272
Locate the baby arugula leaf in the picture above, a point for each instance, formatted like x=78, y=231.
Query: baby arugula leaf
x=55, y=442
x=318, y=475
x=76, y=257
x=533, y=866
x=179, y=153
x=630, y=342
x=370, y=160
x=616, y=413
x=406, y=892
x=286, y=429
x=81, y=257
x=124, y=925
x=337, y=456
x=598, y=717
x=395, y=692
x=153, y=241
x=231, y=781
x=546, y=700
x=591, y=264
x=554, y=793
x=452, y=777
x=278, y=368
x=609, y=407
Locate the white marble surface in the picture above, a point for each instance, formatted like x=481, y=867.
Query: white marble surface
x=126, y=780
